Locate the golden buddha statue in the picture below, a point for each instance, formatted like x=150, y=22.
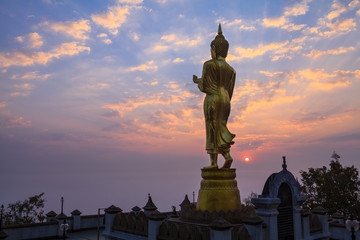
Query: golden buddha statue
x=217, y=81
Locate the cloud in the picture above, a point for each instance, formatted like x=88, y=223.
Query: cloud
x=156, y=116
x=340, y=26
x=151, y=83
x=98, y=86
x=35, y=40
x=292, y=27
x=236, y=23
x=16, y=122
x=283, y=23
x=178, y=60
x=112, y=115
x=102, y=35
x=299, y=8
x=257, y=51
x=339, y=8
x=144, y=67
x=331, y=25
x=130, y=105
x=52, y=2
x=32, y=75
x=354, y=4
x=112, y=19
x=175, y=42
x=270, y=74
x=274, y=22
x=318, y=53
x=130, y=1
x=105, y=39
x=135, y=36
x=24, y=86
x=32, y=40
x=317, y=79
x=25, y=58
x=78, y=29
x=2, y=104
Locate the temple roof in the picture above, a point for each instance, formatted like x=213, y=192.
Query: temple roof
x=113, y=209
x=61, y=216
x=51, y=214
x=76, y=212
x=185, y=202
x=150, y=206
x=136, y=209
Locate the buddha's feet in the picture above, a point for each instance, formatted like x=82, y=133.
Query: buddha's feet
x=211, y=166
x=227, y=163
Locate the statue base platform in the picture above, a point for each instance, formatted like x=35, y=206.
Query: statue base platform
x=218, y=190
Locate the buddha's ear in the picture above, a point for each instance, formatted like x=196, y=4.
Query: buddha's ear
x=213, y=50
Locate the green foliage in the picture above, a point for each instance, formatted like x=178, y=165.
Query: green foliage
x=335, y=189
x=28, y=211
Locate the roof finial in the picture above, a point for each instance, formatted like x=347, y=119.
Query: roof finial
x=284, y=166
x=219, y=30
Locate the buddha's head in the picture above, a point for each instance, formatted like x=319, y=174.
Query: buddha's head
x=219, y=46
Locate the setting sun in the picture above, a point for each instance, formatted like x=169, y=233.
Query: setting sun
x=247, y=159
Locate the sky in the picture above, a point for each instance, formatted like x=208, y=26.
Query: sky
x=97, y=102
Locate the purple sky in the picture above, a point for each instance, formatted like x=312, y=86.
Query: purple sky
x=97, y=102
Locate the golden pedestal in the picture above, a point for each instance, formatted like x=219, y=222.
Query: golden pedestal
x=218, y=190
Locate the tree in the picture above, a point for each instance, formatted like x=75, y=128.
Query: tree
x=336, y=188
x=28, y=211
x=247, y=200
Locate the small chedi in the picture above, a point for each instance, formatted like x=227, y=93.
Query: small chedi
x=218, y=191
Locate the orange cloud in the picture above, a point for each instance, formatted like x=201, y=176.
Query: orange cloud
x=353, y=4
x=20, y=58
x=15, y=123
x=156, y=100
x=299, y=8
x=178, y=60
x=32, y=40
x=25, y=86
x=237, y=23
x=292, y=27
x=328, y=29
x=2, y=104
x=112, y=19
x=270, y=74
x=78, y=29
x=283, y=23
x=318, y=53
x=340, y=8
x=98, y=86
x=317, y=79
x=254, y=52
x=32, y=75
x=274, y=22
x=35, y=40
x=144, y=67
x=327, y=86
x=105, y=39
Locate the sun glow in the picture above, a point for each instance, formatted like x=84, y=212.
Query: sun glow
x=247, y=159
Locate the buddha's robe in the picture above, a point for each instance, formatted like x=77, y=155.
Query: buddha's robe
x=218, y=80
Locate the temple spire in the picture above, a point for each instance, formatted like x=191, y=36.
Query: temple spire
x=219, y=30
x=284, y=166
